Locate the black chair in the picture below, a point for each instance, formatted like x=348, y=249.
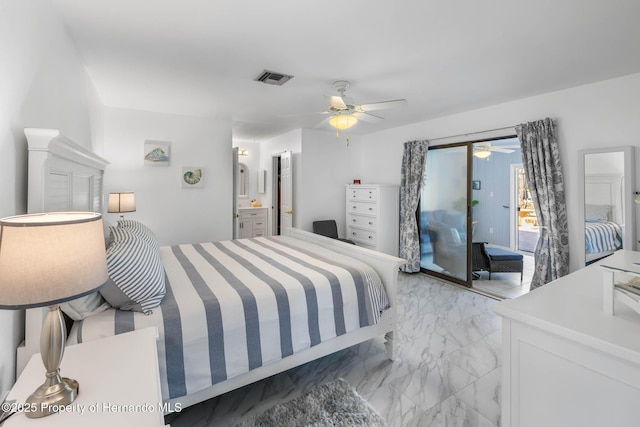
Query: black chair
x=328, y=228
x=495, y=260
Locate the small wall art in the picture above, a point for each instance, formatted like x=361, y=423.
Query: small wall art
x=475, y=185
x=192, y=177
x=156, y=153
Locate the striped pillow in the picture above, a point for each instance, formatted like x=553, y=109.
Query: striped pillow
x=135, y=268
x=140, y=230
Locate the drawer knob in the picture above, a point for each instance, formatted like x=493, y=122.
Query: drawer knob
x=354, y=207
x=353, y=220
x=370, y=209
x=354, y=233
x=370, y=223
x=370, y=237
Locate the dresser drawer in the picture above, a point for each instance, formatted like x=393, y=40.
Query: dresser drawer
x=363, y=235
x=363, y=194
x=363, y=221
x=251, y=214
x=259, y=228
x=361, y=208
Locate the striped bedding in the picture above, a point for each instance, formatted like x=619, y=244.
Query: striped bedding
x=602, y=237
x=235, y=305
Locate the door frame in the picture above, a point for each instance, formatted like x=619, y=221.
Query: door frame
x=236, y=161
x=469, y=220
x=469, y=144
x=514, y=205
x=277, y=189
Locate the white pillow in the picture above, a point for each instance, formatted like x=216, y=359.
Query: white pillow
x=83, y=307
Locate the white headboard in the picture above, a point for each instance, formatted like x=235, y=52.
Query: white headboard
x=63, y=176
x=606, y=190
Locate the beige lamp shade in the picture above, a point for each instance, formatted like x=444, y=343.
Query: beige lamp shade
x=49, y=258
x=121, y=202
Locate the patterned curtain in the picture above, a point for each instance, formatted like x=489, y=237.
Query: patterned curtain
x=413, y=163
x=542, y=168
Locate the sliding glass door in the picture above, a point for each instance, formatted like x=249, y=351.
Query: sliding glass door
x=444, y=213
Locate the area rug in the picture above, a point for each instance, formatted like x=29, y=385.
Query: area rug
x=334, y=404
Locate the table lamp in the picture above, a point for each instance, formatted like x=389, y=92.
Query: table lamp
x=121, y=203
x=47, y=259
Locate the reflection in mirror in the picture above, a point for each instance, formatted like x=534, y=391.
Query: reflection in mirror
x=243, y=180
x=608, y=204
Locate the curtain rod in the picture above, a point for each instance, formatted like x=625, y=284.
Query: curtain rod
x=479, y=132
x=471, y=133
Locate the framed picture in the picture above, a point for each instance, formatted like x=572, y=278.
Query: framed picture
x=475, y=185
x=156, y=153
x=192, y=177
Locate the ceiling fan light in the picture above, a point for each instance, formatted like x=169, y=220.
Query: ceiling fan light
x=482, y=153
x=342, y=122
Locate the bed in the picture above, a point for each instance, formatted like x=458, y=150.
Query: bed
x=602, y=238
x=283, y=300
x=604, y=215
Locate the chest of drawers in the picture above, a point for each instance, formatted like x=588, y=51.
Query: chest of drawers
x=372, y=216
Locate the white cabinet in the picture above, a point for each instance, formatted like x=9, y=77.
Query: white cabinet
x=372, y=217
x=252, y=222
x=566, y=362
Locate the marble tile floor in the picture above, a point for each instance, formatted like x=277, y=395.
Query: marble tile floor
x=447, y=372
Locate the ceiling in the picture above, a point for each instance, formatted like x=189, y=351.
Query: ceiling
x=200, y=57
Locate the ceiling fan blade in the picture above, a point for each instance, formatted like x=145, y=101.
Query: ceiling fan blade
x=337, y=102
x=383, y=105
x=508, y=146
x=501, y=150
x=367, y=117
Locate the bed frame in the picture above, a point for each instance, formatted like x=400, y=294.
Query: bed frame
x=65, y=176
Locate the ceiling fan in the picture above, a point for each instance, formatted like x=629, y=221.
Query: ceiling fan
x=484, y=149
x=344, y=112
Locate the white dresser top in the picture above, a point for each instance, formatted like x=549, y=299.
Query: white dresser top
x=571, y=307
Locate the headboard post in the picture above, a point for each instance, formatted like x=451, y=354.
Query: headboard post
x=63, y=176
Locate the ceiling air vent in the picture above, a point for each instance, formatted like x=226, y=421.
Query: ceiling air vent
x=273, y=78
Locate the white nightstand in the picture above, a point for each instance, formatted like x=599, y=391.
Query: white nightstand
x=119, y=383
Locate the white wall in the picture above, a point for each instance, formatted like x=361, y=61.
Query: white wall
x=328, y=164
x=176, y=215
x=43, y=84
x=322, y=165
x=602, y=114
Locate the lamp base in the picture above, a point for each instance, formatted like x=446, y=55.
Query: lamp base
x=49, y=398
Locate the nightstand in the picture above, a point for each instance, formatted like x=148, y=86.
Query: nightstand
x=119, y=383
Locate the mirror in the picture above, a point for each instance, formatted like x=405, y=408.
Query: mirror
x=243, y=180
x=608, y=204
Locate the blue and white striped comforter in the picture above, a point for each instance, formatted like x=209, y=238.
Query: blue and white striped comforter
x=236, y=305
x=602, y=237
